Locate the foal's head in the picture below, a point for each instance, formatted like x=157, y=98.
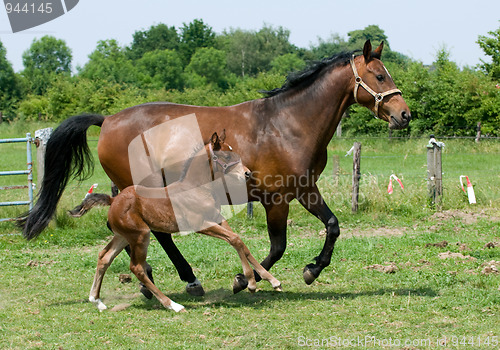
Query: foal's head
x=224, y=162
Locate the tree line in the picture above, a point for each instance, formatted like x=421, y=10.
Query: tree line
x=192, y=64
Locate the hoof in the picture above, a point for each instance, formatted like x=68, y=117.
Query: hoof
x=239, y=283
x=195, y=289
x=176, y=307
x=308, y=276
x=278, y=288
x=97, y=302
x=146, y=292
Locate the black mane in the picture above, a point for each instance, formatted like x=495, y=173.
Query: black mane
x=306, y=77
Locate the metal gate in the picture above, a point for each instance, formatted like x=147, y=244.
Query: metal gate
x=28, y=171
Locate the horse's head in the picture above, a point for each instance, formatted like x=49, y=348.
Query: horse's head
x=375, y=89
x=225, y=162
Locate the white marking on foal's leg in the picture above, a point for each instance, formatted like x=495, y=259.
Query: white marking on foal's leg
x=176, y=307
x=97, y=302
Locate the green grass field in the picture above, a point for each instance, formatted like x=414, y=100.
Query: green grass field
x=431, y=300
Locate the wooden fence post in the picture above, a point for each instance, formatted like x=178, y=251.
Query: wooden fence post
x=434, y=174
x=438, y=175
x=41, y=138
x=478, y=132
x=1, y=118
x=356, y=175
x=431, y=185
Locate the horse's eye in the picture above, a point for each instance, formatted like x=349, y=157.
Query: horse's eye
x=380, y=77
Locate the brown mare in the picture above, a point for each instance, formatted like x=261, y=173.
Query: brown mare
x=283, y=136
x=137, y=210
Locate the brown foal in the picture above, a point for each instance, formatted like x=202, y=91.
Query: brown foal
x=137, y=210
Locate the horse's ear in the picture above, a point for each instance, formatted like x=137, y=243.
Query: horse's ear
x=223, y=136
x=214, y=140
x=367, y=51
x=378, y=51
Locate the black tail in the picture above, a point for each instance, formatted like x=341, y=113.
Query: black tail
x=67, y=155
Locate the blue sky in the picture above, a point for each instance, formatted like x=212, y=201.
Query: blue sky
x=416, y=28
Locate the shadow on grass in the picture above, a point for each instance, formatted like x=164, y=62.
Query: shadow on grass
x=225, y=297
x=262, y=299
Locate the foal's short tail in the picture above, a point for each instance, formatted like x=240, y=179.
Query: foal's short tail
x=67, y=156
x=92, y=200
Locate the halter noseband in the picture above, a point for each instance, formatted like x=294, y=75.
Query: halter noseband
x=379, y=96
x=217, y=161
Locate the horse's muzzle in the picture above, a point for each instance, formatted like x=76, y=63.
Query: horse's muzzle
x=402, y=122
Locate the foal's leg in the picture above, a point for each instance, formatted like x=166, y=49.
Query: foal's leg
x=183, y=268
x=224, y=232
x=262, y=272
x=236, y=242
x=149, y=271
x=276, y=215
x=139, y=248
x=104, y=260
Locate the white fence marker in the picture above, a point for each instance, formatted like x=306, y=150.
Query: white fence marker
x=390, y=188
x=470, y=189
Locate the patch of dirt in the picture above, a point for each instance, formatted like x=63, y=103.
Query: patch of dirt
x=122, y=298
x=35, y=263
x=450, y=255
x=437, y=221
x=490, y=267
x=120, y=307
x=463, y=247
x=378, y=232
x=391, y=268
x=467, y=218
x=441, y=244
x=422, y=264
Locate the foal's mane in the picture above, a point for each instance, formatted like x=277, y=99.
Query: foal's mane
x=188, y=162
x=305, y=78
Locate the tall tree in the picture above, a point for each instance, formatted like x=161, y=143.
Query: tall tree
x=44, y=60
x=161, y=69
x=251, y=52
x=241, y=47
x=193, y=36
x=159, y=37
x=372, y=32
x=273, y=42
x=376, y=35
x=326, y=48
x=207, y=66
x=287, y=63
x=10, y=90
x=109, y=62
x=491, y=47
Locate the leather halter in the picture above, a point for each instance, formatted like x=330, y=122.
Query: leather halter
x=378, y=96
x=217, y=161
